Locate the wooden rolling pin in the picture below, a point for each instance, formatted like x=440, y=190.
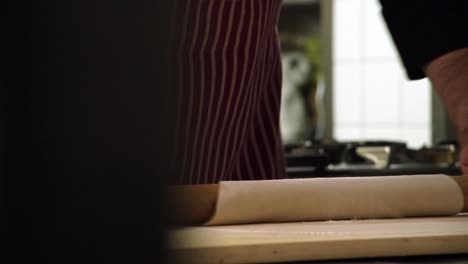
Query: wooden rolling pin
x=462, y=181
x=194, y=204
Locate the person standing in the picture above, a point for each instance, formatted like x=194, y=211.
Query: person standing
x=226, y=79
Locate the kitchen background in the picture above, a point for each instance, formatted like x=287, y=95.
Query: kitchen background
x=343, y=80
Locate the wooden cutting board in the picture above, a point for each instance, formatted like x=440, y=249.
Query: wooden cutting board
x=259, y=243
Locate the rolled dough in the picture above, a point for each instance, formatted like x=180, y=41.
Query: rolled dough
x=269, y=201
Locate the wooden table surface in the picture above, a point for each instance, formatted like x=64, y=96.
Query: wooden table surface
x=320, y=240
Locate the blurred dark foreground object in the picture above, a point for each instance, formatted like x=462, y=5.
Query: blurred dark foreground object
x=82, y=141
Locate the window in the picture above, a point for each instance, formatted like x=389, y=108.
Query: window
x=372, y=97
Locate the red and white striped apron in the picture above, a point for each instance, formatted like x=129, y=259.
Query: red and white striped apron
x=228, y=89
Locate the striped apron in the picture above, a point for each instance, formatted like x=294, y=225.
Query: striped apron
x=227, y=81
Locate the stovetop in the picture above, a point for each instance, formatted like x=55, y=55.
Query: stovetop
x=369, y=158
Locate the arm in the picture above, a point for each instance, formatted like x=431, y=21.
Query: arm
x=431, y=40
x=449, y=76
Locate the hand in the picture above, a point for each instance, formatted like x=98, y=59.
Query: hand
x=449, y=76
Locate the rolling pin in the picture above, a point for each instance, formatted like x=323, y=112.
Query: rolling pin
x=195, y=204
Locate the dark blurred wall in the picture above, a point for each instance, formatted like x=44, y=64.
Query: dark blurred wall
x=86, y=130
